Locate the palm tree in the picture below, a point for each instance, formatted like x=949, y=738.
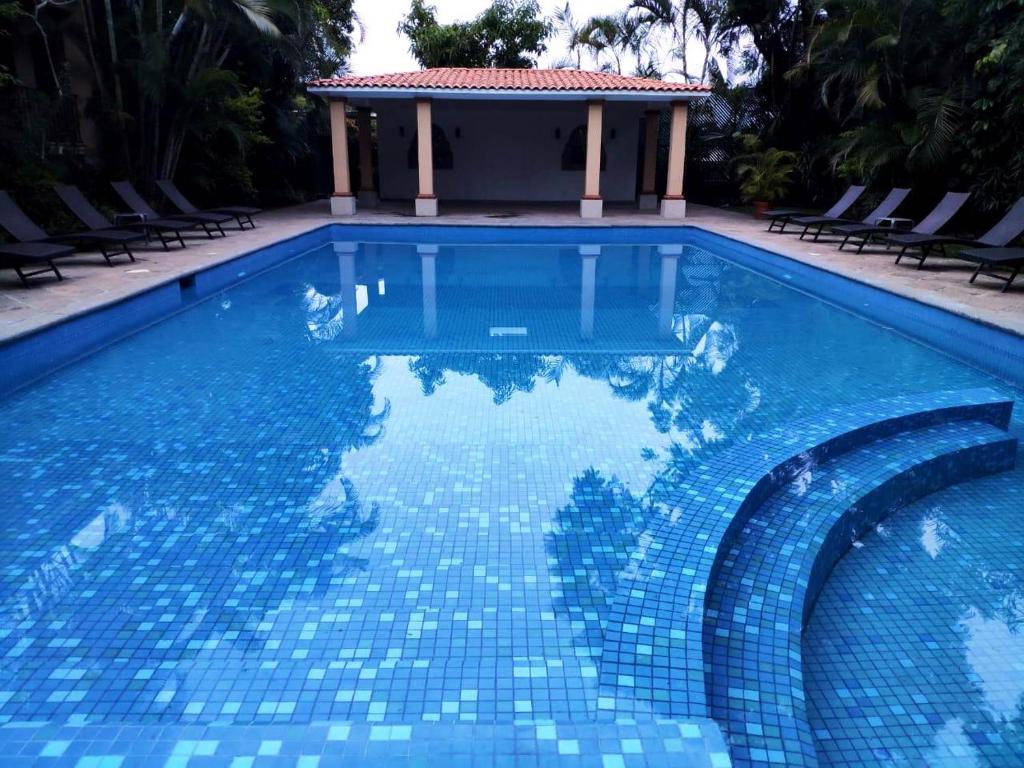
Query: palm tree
x=603, y=35
x=668, y=16
x=713, y=29
x=878, y=81
x=635, y=38
x=567, y=27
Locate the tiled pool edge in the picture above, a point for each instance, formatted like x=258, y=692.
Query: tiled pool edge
x=990, y=348
x=33, y=355
x=694, y=744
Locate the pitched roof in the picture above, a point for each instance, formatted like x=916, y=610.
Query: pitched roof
x=468, y=79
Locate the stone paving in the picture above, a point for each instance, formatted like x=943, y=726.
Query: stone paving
x=90, y=283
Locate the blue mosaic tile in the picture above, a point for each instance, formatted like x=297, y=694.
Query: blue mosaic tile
x=394, y=502
x=913, y=654
x=653, y=653
x=775, y=566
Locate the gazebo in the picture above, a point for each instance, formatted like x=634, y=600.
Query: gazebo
x=502, y=135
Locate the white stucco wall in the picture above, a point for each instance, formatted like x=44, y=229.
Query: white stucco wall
x=507, y=150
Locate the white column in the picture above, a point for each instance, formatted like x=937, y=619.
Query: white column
x=428, y=271
x=667, y=297
x=367, y=193
x=346, y=253
x=342, y=202
x=426, y=201
x=648, y=194
x=591, y=206
x=588, y=288
x=673, y=206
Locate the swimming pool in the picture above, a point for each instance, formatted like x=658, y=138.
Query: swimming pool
x=387, y=499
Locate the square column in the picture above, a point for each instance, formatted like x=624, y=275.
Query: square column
x=426, y=201
x=648, y=194
x=674, y=204
x=342, y=202
x=591, y=206
x=367, y=194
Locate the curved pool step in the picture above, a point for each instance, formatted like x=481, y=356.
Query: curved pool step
x=652, y=659
x=775, y=566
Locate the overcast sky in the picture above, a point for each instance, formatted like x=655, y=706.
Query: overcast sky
x=385, y=50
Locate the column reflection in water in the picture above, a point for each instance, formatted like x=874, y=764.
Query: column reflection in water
x=643, y=266
x=588, y=256
x=428, y=268
x=346, y=253
x=667, y=297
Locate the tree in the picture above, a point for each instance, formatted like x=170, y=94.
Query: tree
x=601, y=36
x=510, y=33
x=216, y=85
x=566, y=26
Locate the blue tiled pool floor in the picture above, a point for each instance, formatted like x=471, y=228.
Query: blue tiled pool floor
x=383, y=487
x=915, y=652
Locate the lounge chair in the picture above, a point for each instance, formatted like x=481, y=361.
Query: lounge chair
x=243, y=214
x=884, y=210
x=18, y=256
x=932, y=223
x=782, y=216
x=1008, y=229
x=989, y=259
x=167, y=230
x=111, y=242
x=210, y=222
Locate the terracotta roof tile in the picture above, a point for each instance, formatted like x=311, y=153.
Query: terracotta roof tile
x=507, y=79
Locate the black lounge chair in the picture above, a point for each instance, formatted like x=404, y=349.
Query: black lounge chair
x=243, y=214
x=18, y=256
x=843, y=204
x=166, y=230
x=111, y=242
x=1008, y=229
x=884, y=210
x=127, y=192
x=932, y=223
x=989, y=259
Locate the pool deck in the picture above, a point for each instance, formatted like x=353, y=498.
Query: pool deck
x=90, y=283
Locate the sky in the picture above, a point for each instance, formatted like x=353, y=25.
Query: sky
x=384, y=50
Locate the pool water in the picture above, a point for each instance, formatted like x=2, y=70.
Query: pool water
x=393, y=483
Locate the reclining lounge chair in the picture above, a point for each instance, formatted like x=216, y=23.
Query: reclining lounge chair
x=845, y=203
x=111, y=242
x=990, y=259
x=210, y=222
x=167, y=230
x=1008, y=229
x=18, y=256
x=884, y=210
x=243, y=214
x=932, y=223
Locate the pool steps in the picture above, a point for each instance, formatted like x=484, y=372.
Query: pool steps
x=653, y=659
x=775, y=566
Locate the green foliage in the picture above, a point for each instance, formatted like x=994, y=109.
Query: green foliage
x=765, y=174
x=216, y=159
x=211, y=89
x=509, y=33
x=10, y=12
